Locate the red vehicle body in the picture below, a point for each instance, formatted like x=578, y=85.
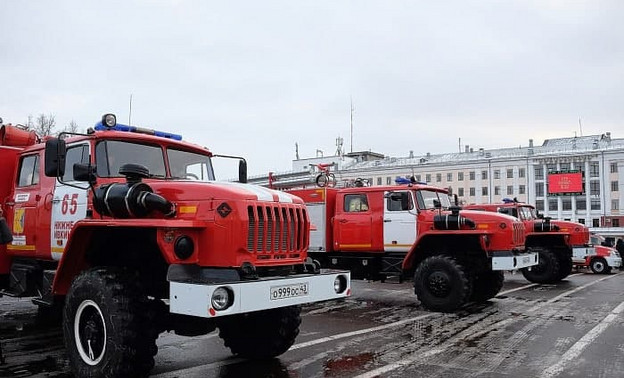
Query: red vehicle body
x=556, y=241
x=129, y=235
x=455, y=256
x=603, y=260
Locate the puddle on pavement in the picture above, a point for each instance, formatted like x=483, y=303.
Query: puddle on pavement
x=348, y=364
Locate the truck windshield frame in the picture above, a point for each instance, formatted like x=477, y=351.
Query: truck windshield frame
x=110, y=155
x=185, y=165
x=425, y=199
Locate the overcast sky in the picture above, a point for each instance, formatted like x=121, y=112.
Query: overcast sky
x=255, y=77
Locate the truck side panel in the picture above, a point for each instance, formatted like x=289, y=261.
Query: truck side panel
x=8, y=157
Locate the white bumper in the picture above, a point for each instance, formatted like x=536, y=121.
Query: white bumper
x=517, y=261
x=195, y=299
x=613, y=261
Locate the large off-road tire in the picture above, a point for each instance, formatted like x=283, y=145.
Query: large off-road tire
x=547, y=270
x=107, y=325
x=599, y=265
x=486, y=285
x=442, y=284
x=261, y=334
x=565, y=266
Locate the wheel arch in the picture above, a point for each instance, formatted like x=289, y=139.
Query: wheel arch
x=455, y=245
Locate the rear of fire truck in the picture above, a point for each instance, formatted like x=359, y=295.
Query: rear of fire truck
x=141, y=239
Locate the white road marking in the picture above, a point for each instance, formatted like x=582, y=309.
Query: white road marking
x=359, y=332
x=578, y=347
x=529, y=286
x=421, y=357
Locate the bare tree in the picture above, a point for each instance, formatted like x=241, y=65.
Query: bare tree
x=44, y=125
x=72, y=127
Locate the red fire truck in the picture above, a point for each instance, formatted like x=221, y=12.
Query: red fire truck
x=557, y=242
x=127, y=232
x=603, y=261
x=455, y=256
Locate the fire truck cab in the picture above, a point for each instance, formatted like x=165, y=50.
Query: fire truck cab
x=125, y=231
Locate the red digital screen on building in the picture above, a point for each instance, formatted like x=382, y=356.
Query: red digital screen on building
x=565, y=183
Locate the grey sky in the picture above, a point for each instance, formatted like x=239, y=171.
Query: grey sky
x=253, y=78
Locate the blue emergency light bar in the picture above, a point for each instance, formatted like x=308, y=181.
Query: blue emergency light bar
x=111, y=124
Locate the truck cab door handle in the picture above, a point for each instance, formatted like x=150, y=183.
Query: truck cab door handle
x=387, y=220
x=56, y=200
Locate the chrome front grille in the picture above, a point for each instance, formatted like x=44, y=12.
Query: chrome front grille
x=277, y=228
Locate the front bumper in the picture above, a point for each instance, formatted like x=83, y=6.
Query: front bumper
x=255, y=295
x=613, y=261
x=510, y=261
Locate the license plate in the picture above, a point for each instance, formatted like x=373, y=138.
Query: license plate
x=289, y=291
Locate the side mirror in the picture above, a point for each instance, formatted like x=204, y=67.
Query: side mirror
x=84, y=172
x=242, y=171
x=55, y=152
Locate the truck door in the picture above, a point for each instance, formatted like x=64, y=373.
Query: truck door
x=23, y=217
x=353, y=224
x=69, y=202
x=399, y=227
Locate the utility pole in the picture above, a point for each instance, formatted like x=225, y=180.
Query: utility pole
x=580, y=126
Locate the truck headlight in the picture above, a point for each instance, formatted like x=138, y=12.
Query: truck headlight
x=222, y=298
x=340, y=284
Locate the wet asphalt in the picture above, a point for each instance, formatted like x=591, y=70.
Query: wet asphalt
x=571, y=329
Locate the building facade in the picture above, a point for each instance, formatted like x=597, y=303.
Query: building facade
x=486, y=176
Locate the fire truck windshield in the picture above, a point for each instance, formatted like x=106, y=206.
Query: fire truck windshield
x=112, y=154
x=526, y=213
x=426, y=199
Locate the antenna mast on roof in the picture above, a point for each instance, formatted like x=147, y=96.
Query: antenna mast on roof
x=351, y=98
x=130, y=112
x=580, y=126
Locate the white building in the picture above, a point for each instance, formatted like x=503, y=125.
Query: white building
x=490, y=175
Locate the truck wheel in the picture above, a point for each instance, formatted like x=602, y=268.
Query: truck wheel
x=546, y=271
x=107, y=325
x=598, y=265
x=565, y=266
x=441, y=284
x=487, y=285
x=261, y=334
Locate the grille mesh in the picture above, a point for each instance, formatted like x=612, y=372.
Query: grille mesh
x=276, y=228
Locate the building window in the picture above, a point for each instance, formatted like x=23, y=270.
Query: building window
x=614, y=186
x=418, y=178
x=438, y=177
x=388, y=180
x=472, y=192
x=460, y=176
x=379, y=180
x=539, y=189
x=615, y=222
x=581, y=203
x=613, y=167
x=594, y=169
x=510, y=173
x=539, y=172
x=521, y=189
x=484, y=191
x=496, y=174
x=581, y=220
x=449, y=177
x=551, y=167
x=594, y=188
x=497, y=190
x=564, y=166
x=615, y=204
x=472, y=175
x=521, y=172
x=460, y=192
x=595, y=204
x=450, y=191
x=539, y=205
x=552, y=204
x=484, y=175
x=595, y=222
x=566, y=203
x=509, y=190
x=428, y=177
